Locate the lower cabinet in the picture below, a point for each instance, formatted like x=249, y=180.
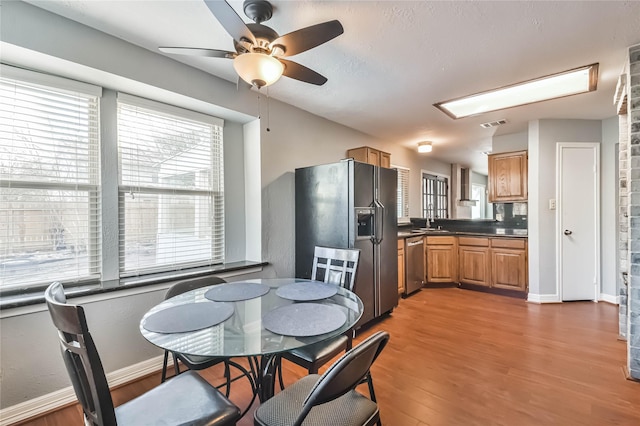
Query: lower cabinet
x=474, y=261
x=493, y=262
x=441, y=258
x=509, y=264
x=401, y=266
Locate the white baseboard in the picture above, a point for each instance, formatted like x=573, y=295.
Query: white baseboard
x=610, y=299
x=54, y=400
x=543, y=298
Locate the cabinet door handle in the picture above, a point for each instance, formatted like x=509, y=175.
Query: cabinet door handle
x=567, y=232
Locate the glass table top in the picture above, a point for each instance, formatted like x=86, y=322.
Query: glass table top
x=244, y=334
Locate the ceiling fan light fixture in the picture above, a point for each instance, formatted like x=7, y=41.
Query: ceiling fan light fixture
x=258, y=69
x=425, y=147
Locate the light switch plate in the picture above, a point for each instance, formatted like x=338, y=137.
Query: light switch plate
x=552, y=203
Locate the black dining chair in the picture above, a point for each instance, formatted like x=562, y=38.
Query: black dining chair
x=335, y=266
x=330, y=399
x=193, y=362
x=186, y=399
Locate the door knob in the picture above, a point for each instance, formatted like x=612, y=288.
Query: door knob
x=567, y=232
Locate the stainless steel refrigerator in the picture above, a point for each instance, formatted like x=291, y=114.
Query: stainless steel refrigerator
x=351, y=205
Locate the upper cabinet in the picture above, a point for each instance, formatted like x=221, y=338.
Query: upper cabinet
x=369, y=155
x=508, y=177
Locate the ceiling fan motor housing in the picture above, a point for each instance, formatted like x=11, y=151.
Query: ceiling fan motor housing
x=264, y=36
x=258, y=10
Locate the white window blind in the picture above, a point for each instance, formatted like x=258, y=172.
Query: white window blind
x=49, y=181
x=403, y=194
x=171, y=188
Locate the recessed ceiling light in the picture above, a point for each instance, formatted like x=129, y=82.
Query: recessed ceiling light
x=566, y=83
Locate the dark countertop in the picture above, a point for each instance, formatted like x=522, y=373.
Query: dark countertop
x=489, y=232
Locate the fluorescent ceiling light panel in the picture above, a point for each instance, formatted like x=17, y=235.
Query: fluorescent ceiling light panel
x=567, y=83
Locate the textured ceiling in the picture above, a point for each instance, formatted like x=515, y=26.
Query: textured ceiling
x=397, y=58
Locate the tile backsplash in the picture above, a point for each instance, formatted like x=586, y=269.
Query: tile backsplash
x=513, y=215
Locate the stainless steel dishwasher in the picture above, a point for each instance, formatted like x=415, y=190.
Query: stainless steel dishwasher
x=414, y=264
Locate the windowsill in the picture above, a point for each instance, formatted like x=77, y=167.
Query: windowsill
x=37, y=297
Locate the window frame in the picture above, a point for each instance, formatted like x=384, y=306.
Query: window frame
x=440, y=196
x=107, y=196
x=61, y=87
x=215, y=189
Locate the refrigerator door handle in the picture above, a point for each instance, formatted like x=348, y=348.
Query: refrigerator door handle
x=379, y=231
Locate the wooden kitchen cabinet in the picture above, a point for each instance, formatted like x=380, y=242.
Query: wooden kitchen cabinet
x=509, y=264
x=441, y=259
x=473, y=258
x=370, y=155
x=508, y=177
x=401, y=266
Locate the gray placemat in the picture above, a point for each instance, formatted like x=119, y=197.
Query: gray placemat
x=188, y=317
x=304, y=319
x=233, y=292
x=304, y=291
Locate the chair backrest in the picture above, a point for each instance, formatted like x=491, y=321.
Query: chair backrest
x=191, y=284
x=81, y=358
x=335, y=266
x=345, y=374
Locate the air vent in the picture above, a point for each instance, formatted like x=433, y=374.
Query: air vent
x=494, y=123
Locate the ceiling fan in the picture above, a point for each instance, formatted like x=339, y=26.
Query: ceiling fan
x=259, y=54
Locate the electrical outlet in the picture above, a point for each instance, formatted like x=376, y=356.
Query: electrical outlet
x=552, y=204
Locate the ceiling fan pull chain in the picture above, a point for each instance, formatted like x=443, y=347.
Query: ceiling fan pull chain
x=268, y=115
x=259, y=111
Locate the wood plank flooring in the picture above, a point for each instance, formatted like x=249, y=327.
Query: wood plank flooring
x=460, y=357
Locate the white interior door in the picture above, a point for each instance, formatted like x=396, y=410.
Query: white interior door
x=578, y=220
x=479, y=193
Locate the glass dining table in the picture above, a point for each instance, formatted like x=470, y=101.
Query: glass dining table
x=256, y=319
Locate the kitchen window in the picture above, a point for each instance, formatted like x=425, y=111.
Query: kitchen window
x=402, y=193
x=49, y=180
x=94, y=214
x=171, y=189
x=435, y=196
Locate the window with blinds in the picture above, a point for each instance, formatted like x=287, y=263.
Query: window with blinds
x=171, y=189
x=402, y=194
x=49, y=181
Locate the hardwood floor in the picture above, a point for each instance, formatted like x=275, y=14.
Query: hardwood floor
x=459, y=357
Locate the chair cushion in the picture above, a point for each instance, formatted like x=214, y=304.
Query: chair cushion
x=195, y=362
x=184, y=399
x=284, y=408
x=320, y=352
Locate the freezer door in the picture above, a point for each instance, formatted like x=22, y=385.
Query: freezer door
x=324, y=213
x=387, y=250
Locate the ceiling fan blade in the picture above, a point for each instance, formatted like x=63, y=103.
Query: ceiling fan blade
x=307, y=38
x=300, y=72
x=195, y=51
x=230, y=20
